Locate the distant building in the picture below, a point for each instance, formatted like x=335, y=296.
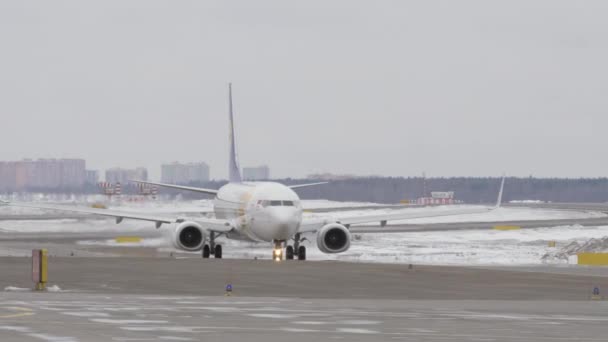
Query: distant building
x=8, y=176
x=72, y=173
x=256, y=173
x=41, y=174
x=123, y=176
x=184, y=173
x=439, y=198
x=91, y=177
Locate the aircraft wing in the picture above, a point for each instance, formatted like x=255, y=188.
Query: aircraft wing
x=209, y=223
x=313, y=224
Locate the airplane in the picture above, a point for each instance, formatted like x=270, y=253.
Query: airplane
x=257, y=211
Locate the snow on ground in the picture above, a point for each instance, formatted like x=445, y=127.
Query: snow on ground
x=149, y=242
x=74, y=226
x=461, y=247
x=501, y=214
x=527, y=202
x=333, y=204
x=468, y=247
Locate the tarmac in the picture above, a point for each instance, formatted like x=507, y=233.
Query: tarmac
x=143, y=294
x=70, y=317
x=168, y=299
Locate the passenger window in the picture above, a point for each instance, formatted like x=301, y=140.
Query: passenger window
x=275, y=203
x=288, y=203
x=263, y=203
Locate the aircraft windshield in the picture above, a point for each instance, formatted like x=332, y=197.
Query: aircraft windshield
x=266, y=203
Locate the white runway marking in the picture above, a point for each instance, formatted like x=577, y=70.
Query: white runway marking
x=86, y=314
x=356, y=331
x=277, y=316
x=126, y=321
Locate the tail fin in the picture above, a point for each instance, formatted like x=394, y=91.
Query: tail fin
x=233, y=167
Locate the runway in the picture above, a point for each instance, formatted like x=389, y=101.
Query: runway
x=70, y=317
x=310, y=279
x=121, y=293
x=163, y=299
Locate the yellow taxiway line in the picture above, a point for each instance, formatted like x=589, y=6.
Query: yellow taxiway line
x=23, y=312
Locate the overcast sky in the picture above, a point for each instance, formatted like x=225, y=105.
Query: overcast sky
x=463, y=88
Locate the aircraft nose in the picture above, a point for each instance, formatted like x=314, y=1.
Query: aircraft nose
x=285, y=224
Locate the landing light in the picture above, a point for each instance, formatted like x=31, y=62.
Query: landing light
x=277, y=254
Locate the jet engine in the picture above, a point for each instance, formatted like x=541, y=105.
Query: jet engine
x=333, y=238
x=189, y=236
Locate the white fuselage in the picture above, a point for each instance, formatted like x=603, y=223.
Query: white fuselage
x=261, y=211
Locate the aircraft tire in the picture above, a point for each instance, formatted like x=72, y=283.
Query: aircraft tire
x=289, y=253
x=206, y=252
x=302, y=253
x=218, y=251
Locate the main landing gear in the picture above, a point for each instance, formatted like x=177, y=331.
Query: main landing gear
x=212, y=248
x=291, y=252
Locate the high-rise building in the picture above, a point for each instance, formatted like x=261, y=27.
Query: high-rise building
x=8, y=176
x=41, y=174
x=256, y=173
x=123, y=176
x=72, y=173
x=184, y=173
x=91, y=177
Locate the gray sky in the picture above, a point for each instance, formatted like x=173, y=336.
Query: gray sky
x=367, y=87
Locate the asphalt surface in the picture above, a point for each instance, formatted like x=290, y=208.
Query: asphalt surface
x=70, y=317
x=147, y=295
x=310, y=279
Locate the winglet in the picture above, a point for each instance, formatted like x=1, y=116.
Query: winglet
x=502, y=187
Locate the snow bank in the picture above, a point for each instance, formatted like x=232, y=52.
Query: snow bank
x=16, y=289
x=595, y=245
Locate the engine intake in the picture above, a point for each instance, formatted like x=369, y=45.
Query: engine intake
x=333, y=238
x=189, y=236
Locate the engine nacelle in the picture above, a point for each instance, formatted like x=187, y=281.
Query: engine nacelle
x=189, y=236
x=333, y=238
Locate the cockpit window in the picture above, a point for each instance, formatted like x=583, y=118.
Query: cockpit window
x=266, y=203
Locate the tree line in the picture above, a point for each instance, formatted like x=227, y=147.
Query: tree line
x=472, y=190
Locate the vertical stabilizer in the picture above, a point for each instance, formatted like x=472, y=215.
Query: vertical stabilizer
x=234, y=172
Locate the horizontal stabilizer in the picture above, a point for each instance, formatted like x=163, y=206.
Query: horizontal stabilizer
x=179, y=187
x=305, y=185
